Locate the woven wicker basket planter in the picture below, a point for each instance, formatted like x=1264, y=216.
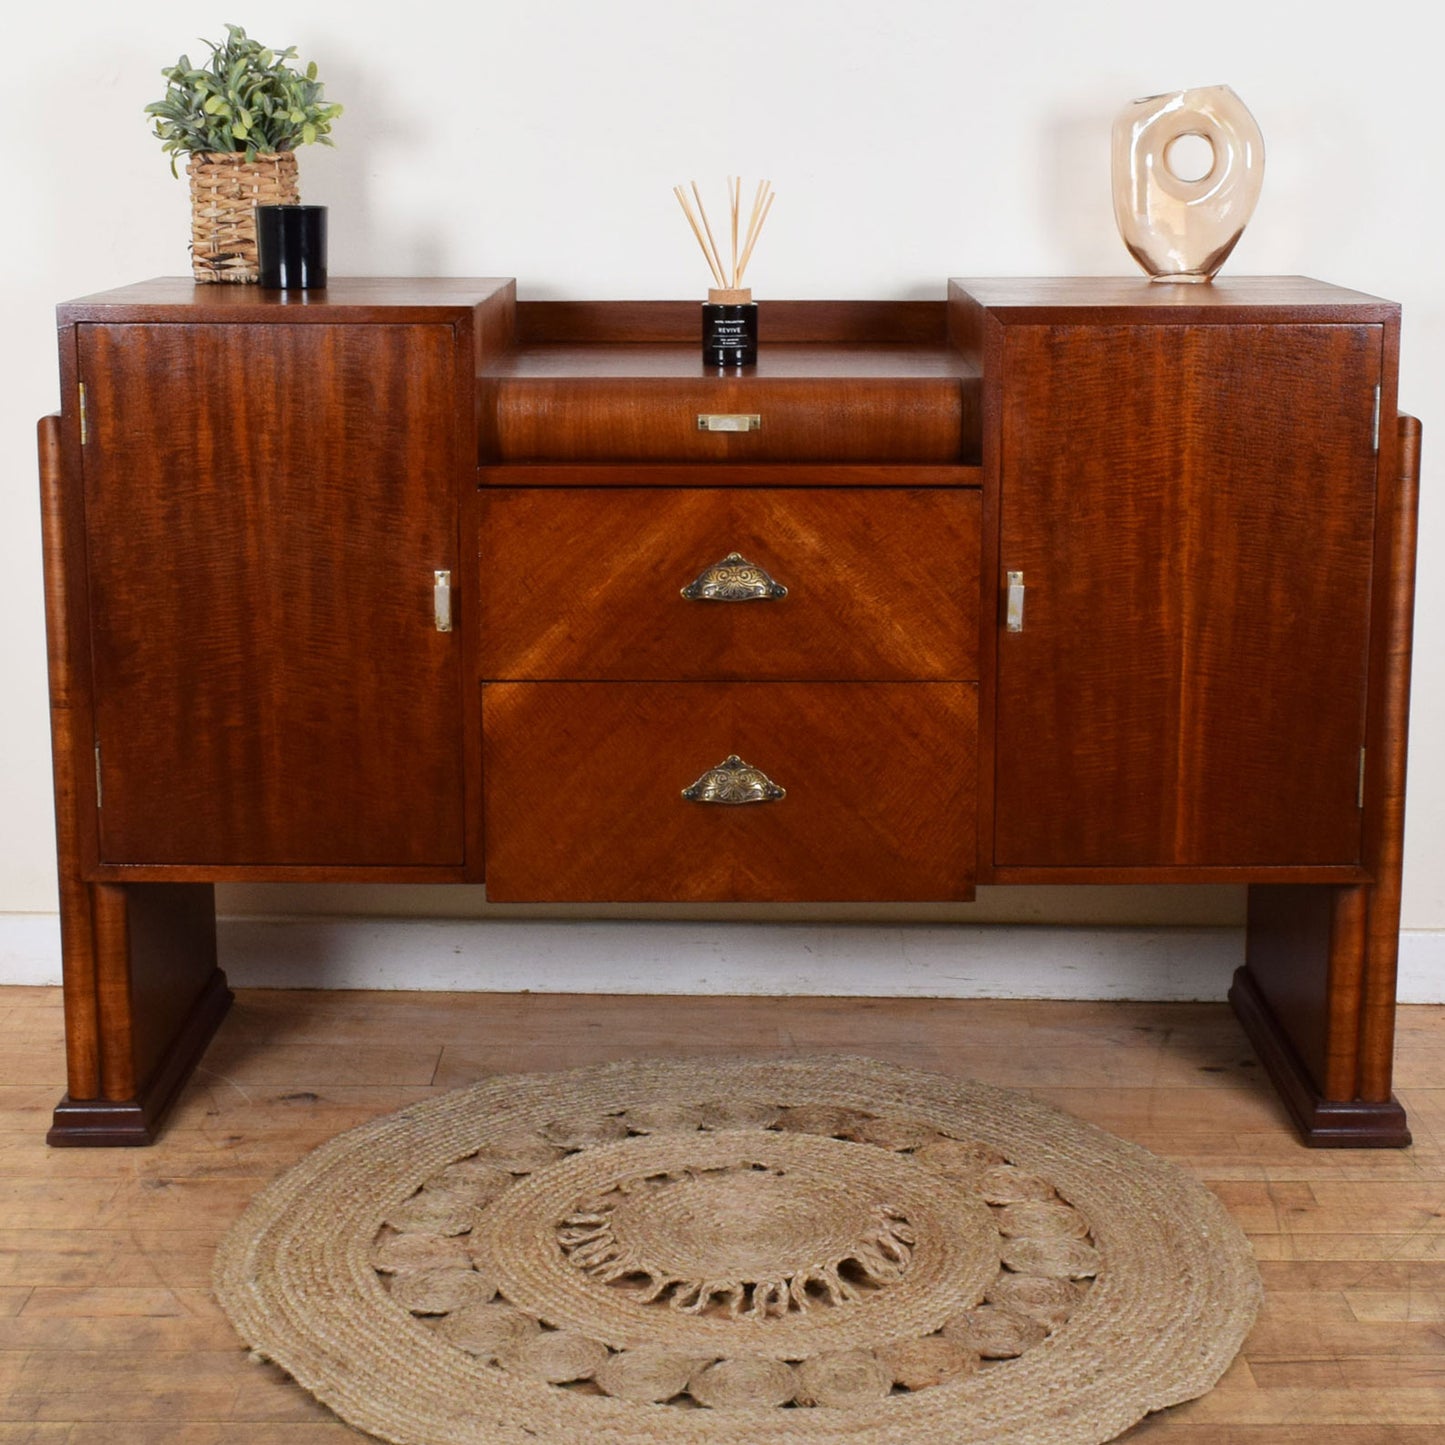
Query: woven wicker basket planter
x=225, y=190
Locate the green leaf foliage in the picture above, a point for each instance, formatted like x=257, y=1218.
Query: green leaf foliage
x=246, y=97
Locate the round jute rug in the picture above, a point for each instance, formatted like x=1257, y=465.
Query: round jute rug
x=816, y=1250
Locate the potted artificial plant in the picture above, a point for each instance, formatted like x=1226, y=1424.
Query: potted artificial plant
x=238, y=118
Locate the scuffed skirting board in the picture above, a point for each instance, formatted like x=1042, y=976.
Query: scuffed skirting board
x=863, y=959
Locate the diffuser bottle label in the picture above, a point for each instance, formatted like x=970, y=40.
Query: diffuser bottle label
x=730, y=334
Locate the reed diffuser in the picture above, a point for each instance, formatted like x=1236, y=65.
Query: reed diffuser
x=730, y=315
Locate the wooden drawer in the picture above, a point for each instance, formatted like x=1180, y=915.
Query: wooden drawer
x=584, y=791
x=587, y=583
x=635, y=403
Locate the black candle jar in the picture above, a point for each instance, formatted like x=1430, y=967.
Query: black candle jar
x=291, y=247
x=730, y=329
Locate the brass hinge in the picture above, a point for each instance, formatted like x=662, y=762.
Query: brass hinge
x=1360, y=794
x=97, y=776
x=84, y=424
x=1375, y=425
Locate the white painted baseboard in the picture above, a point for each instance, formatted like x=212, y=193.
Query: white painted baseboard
x=919, y=960
x=880, y=960
x=30, y=948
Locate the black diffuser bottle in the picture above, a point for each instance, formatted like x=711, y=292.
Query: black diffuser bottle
x=730, y=328
x=729, y=315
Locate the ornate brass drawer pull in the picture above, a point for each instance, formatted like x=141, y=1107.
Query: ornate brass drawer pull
x=734, y=579
x=734, y=781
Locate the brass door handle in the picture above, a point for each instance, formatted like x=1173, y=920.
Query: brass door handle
x=734, y=579
x=441, y=596
x=1014, y=614
x=733, y=782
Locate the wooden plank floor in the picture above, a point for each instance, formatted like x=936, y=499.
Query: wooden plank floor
x=108, y=1335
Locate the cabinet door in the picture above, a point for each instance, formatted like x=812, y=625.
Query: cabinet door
x=1192, y=509
x=265, y=508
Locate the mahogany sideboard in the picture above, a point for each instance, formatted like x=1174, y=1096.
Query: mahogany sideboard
x=1055, y=581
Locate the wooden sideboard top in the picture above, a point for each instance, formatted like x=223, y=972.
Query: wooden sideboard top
x=346, y=298
x=1082, y=299
x=901, y=322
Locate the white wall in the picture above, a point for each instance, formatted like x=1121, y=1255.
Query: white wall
x=908, y=141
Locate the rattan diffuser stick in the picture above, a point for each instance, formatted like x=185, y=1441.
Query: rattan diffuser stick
x=712, y=261
x=728, y=278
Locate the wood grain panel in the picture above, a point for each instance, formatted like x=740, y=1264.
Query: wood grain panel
x=584, y=786
x=629, y=323
x=1278, y=557
x=71, y=729
x=586, y=584
x=267, y=671
x=1305, y=948
x=1389, y=734
x=1088, y=709
x=1193, y=510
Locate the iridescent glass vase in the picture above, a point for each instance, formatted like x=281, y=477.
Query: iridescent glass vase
x=1179, y=225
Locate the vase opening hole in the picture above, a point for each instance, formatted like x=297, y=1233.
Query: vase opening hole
x=1190, y=157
